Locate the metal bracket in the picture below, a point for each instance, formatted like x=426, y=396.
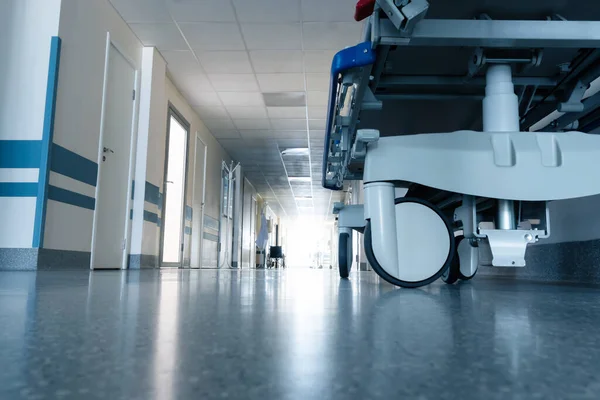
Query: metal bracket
x=363, y=137
x=404, y=14
x=480, y=58
x=573, y=98
x=337, y=207
x=508, y=247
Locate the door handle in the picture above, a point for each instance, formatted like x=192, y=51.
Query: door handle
x=169, y=182
x=107, y=150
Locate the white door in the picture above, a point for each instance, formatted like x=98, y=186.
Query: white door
x=253, y=234
x=198, y=203
x=225, y=225
x=174, y=193
x=111, y=213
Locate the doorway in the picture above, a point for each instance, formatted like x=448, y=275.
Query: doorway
x=174, y=189
x=226, y=227
x=198, y=202
x=115, y=172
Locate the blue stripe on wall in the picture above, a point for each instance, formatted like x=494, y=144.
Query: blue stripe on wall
x=212, y=238
x=18, y=189
x=152, y=194
x=151, y=217
x=68, y=163
x=211, y=223
x=20, y=153
x=46, y=144
x=189, y=211
x=72, y=198
x=188, y=230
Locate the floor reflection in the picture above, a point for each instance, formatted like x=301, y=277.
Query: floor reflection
x=291, y=334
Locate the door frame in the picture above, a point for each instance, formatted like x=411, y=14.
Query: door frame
x=222, y=214
x=201, y=233
x=173, y=112
x=132, y=151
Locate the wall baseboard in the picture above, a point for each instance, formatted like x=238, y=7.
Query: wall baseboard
x=18, y=259
x=571, y=262
x=142, y=261
x=49, y=259
x=43, y=259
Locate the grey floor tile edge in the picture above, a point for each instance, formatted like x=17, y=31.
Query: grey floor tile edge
x=50, y=259
x=142, y=261
x=18, y=259
x=574, y=262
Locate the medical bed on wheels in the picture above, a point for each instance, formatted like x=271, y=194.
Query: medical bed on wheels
x=440, y=120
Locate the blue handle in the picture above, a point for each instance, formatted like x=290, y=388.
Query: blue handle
x=358, y=56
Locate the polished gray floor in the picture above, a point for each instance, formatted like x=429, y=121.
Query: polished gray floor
x=294, y=334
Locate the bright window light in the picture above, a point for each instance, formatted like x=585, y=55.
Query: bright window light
x=301, y=151
x=299, y=178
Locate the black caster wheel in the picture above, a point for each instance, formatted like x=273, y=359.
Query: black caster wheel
x=345, y=255
x=423, y=258
x=453, y=274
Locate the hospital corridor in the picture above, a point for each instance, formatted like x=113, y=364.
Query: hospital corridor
x=299, y=199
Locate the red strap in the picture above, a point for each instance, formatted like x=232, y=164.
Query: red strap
x=364, y=8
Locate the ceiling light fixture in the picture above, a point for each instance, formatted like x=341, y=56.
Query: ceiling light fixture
x=299, y=178
x=299, y=151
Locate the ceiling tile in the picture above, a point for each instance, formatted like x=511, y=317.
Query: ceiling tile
x=219, y=124
x=201, y=10
x=241, y=99
x=291, y=143
x=196, y=98
x=317, y=112
x=286, y=112
x=316, y=124
x=291, y=134
x=256, y=134
x=225, y=62
x=288, y=124
x=234, y=82
x=247, y=112
x=225, y=134
x=285, y=99
x=330, y=35
x=317, y=99
x=211, y=112
x=334, y=11
x=163, y=36
x=318, y=61
x=267, y=10
x=142, y=10
x=253, y=123
x=273, y=36
x=192, y=83
x=204, y=36
x=281, y=82
x=181, y=62
x=318, y=82
x=277, y=61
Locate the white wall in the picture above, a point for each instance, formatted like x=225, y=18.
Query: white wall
x=26, y=29
x=83, y=29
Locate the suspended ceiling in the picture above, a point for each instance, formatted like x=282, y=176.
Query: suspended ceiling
x=257, y=73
